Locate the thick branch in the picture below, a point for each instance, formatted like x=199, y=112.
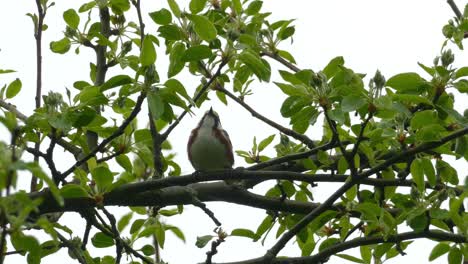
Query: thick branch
x=322, y=256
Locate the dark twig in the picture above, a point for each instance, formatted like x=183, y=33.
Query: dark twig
x=455, y=9
x=196, y=98
x=303, y=138
x=361, y=241
x=292, y=157
x=119, y=245
x=213, y=251
x=205, y=209
x=352, y=230
x=77, y=252
x=86, y=235
x=106, y=230
x=113, y=155
x=41, y=12
x=280, y=60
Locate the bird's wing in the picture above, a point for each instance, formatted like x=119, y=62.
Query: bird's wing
x=229, y=150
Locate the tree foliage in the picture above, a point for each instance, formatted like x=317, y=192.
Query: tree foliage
x=387, y=144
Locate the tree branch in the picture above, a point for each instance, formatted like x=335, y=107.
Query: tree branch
x=361, y=241
x=455, y=9
x=281, y=60
x=196, y=97
x=38, y=36
x=273, y=251
x=302, y=138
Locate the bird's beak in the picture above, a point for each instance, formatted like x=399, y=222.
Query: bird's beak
x=211, y=111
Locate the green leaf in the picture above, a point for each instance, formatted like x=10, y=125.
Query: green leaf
x=256, y=65
x=136, y=225
x=429, y=171
x=405, y=82
x=176, y=231
x=148, y=250
x=161, y=17
x=264, y=226
x=87, y=6
x=60, y=46
x=237, y=6
x=423, y=118
x=71, y=18
x=175, y=59
x=264, y=143
x=204, y=27
x=197, y=5
x=254, y=8
x=462, y=86
x=350, y=258
x=462, y=72
x=417, y=172
x=148, y=52
x=174, y=7
x=37, y=171
x=321, y=220
x=302, y=120
x=124, y=162
x=101, y=240
x=292, y=105
x=455, y=256
x=115, y=81
x=156, y=104
x=419, y=223
x=333, y=67
x=203, y=240
x=119, y=6
x=178, y=87
x=170, y=32
x=73, y=191
x=352, y=102
x=439, y=250
x=13, y=88
x=196, y=53
x=102, y=176
x=124, y=220
x=242, y=232
x=6, y=71
x=328, y=243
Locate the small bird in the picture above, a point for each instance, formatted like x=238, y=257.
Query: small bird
x=209, y=146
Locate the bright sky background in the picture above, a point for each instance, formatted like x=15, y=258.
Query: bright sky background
x=391, y=36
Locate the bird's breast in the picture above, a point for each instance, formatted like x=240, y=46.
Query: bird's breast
x=208, y=152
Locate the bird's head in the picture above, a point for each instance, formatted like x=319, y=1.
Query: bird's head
x=210, y=120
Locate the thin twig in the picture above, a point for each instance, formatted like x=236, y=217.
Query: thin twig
x=41, y=12
x=280, y=60
x=196, y=98
x=205, y=209
x=455, y=9
x=303, y=138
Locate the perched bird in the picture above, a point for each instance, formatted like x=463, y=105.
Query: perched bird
x=209, y=146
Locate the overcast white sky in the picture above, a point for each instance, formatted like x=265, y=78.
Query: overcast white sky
x=388, y=35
